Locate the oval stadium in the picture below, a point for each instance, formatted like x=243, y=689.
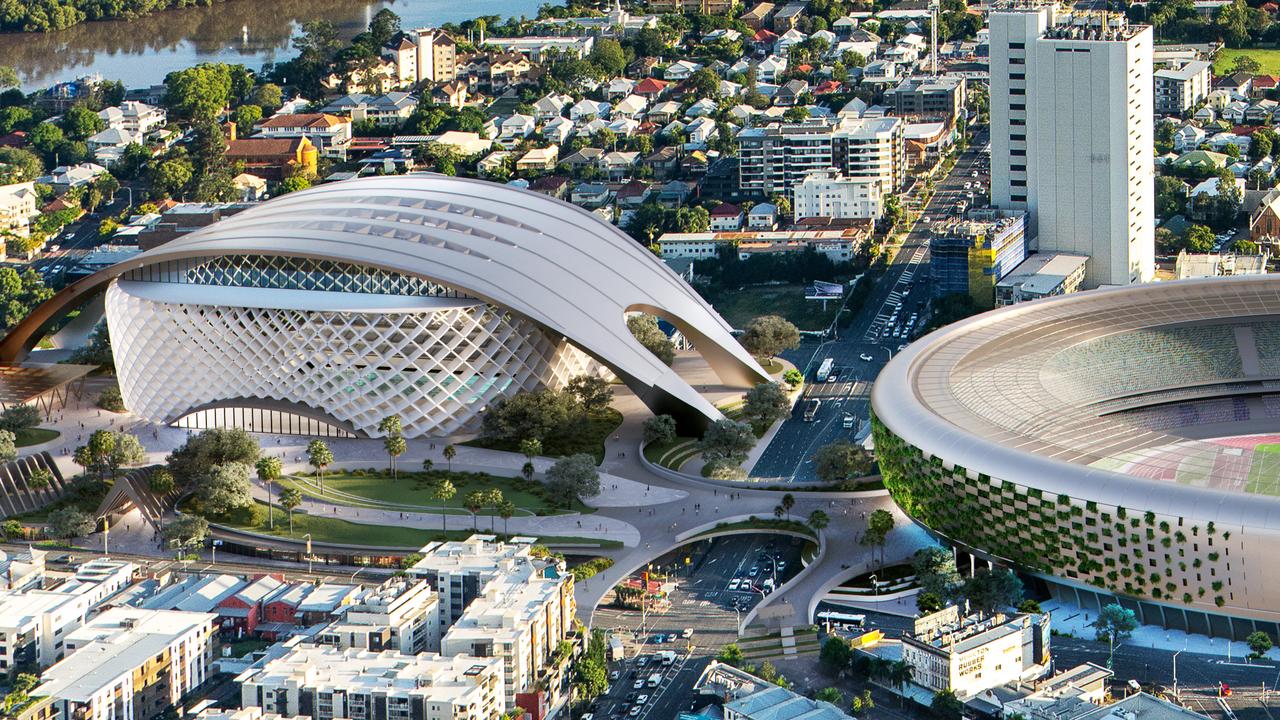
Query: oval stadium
x=1115, y=443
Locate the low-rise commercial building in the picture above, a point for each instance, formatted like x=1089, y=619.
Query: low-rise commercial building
x=130, y=664
x=927, y=96
x=744, y=696
x=839, y=245
x=326, y=683
x=1042, y=275
x=969, y=654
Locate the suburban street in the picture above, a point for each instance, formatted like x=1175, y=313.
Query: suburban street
x=880, y=328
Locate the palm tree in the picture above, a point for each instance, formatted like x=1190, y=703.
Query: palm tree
x=320, y=457
x=290, y=498
x=392, y=428
x=450, y=452
x=269, y=471
x=493, y=498
x=788, y=502
x=818, y=519
x=474, y=502
x=444, y=492
x=396, y=446
x=899, y=674
x=506, y=509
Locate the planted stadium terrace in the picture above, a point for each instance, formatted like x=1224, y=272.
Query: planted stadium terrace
x=1115, y=443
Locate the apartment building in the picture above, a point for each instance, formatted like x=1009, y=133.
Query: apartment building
x=18, y=207
x=436, y=56
x=400, y=614
x=941, y=97
x=520, y=616
x=838, y=245
x=22, y=569
x=1179, y=89
x=458, y=570
x=1071, y=132
x=971, y=256
x=970, y=654
x=828, y=194
x=777, y=157
x=130, y=664
x=326, y=683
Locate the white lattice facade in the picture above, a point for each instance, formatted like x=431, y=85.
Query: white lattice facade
x=436, y=362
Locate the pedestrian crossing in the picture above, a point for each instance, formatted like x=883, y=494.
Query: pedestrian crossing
x=894, y=300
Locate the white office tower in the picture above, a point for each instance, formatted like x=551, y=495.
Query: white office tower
x=1071, y=134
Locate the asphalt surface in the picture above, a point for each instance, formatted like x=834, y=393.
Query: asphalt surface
x=881, y=327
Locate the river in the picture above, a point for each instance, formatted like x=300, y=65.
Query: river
x=141, y=52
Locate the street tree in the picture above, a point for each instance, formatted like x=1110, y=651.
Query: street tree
x=474, y=502
x=208, y=448
x=594, y=392
x=830, y=695
x=506, y=510
x=450, y=452
x=788, y=502
x=126, y=450
x=69, y=523
x=659, y=429
x=793, y=377
x=841, y=461
x=928, y=602
x=444, y=491
x=226, y=488
x=935, y=571
x=493, y=500
x=989, y=591
x=575, y=476
x=818, y=519
x=319, y=456
x=395, y=446
x=879, y=523
x=727, y=440
x=187, y=530
x=731, y=654
x=269, y=469
x=290, y=498
x=768, y=335
x=835, y=656
x=1115, y=623
x=765, y=404
x=1259, y=643
x=530, y=448
x=946, y=706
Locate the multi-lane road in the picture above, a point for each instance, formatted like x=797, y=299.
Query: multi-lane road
x=881, y=327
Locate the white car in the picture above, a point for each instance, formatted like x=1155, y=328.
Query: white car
x=634, y=711
x=642, y=699
x=733, y=584
x=637, y=684
x=864, y=357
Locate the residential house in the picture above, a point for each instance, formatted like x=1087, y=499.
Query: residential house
x=664, y=162
x=624, y=127
x=617, y=166
x=591, y=195
x=466, y=143
x=18, y=206
x=617, y=88
x=700, y=131
x=586, y=157
x=388, y=110
x=453, y=94
x=586, y=109
x=134, y=117
x=758, y=16
x=330, y=134
x=1205, y=114
x=551, y=106
x=538, y=160
x=727, y=35
x=880, y=72
x=788, y=16
x=727, y=217
x=763, y=216
x=504, y=70
x=632, y=194
x=681, y=70
x=702, y=108
x=728, y=89
x=663, y=112
x=65, y=177
x=789, y=94
x=539, y=47
x=650, y=89
x=558, y=130
x=109, y=145
x=770, y=69
x=556, y=186
x=674, y=193
x=761, y=42
x=787, y=40
x=1260, y=112
x=632, y=106
x=494, y=161
x=240, y=613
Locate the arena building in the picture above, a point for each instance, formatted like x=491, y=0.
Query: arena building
x=324, y=311
x=1120, y=443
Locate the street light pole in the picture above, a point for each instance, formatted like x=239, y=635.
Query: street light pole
x=1175, y=674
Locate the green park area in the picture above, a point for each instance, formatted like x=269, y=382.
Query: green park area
x=1268, y=59
x=28, y=436
x=741, y=305
x=587, y=437
x=416, y=491
x=333, y=530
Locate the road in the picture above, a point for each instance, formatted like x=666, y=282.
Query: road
x=880, y=328
x=75, y=242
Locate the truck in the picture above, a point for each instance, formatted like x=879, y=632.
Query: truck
x=811, y=410
x=654, y=679
x=616, y=649
x=824, y=370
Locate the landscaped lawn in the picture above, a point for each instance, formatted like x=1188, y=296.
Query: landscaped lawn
x=34, y=436
x=741, y=306
x=589, y=439
x=415, y=488
x=1269, y=59
x=333, y=530
x=673, y=454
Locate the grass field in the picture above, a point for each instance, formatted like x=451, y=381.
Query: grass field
x=34, y=436
x=739, y=307
x=333, y=530
x=415, y=489
x=671, y=455
x=1268, y=58
x=1264, y=473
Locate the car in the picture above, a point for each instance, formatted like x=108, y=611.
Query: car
x=637, y=685
x=733, y=584
x=686, y=633
x=588, y=716
x=642, y=661
x=754, y=571
x=658, y=639
x=974, y=173
x=635, y=711
x=614, y=675
x=864, y=357
x=782, y=565
x=848, y=421
x=642, y=699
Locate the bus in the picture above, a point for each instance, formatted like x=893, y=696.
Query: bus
x=842, y=621
x=811, y=410
x=824, y=370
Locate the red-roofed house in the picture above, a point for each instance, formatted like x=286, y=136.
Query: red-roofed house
x=763, y=40
x=828, y=87
x=1264, y=82
x=727, y=217
x=272, y=158
x=15, y=139
x=650, y=88
x=330, y=134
